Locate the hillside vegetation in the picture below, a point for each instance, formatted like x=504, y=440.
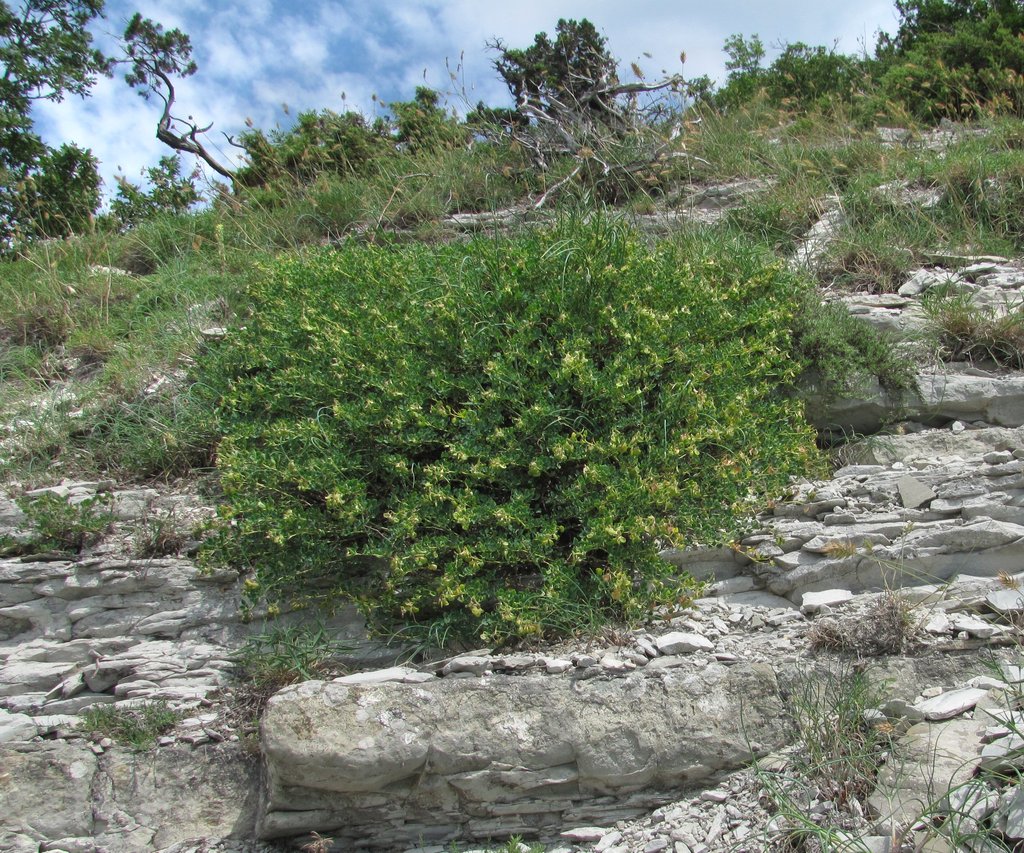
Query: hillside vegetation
x=475, y=372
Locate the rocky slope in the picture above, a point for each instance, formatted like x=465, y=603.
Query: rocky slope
x=896, y=579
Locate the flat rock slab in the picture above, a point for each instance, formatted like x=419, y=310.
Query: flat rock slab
x=929, y=761
x=394, y=765
x=681, y=643
x=914, y=493
x=951, y=703
x=46, y=789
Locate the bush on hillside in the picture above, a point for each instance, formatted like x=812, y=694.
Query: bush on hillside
x=959, y=59
x=502, y=436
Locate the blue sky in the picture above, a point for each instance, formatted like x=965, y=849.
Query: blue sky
x=256, y=56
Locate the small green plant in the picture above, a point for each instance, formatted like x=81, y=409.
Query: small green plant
x=966, y=331
x=136, y=727
x=62, y=525
x=835, y=758
x=843, y=353
x=159, y=536
x=284, y=655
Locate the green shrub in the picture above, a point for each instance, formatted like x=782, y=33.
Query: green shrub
x=843, y=353
x=503, y=435
x=60, y=525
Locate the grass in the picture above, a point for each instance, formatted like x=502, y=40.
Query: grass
x=67, y=314
x=284, y=655
x=965, y=331
x=137, y=728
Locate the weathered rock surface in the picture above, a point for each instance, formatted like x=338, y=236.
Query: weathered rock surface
x=504, y=755
x=124, y=802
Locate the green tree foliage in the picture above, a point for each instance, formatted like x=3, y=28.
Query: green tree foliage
x=421, y=125
x=319, y=142
x=801, y=77
x=46, y=53
x=63, y=193
x=156, y=57
x=169, y=192
x=955, y=58
x=502, y=435
x=568, y=72
x=345, y=144
x=744, y=67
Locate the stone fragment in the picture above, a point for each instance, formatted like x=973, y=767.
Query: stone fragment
x=914, y=493
x=930, y=760
x=667, y=662
x=615, y=666
x=812, y=602
x=16, y=727
x=1005, y=600
x=1004, y=753
x=952, y=703
x=997, y=457
x=1013, y=815
x=472, y=664
x=584, y=834
x=681, y=643
x=732, y=586
x=759, y=598
x=394, y=673
x=923, y=280
x=780, y=618
x=976, y=626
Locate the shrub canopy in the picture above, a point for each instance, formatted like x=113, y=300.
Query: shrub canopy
x=503, y=435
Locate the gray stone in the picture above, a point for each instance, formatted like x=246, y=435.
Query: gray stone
x=812, y=602
x=46, y=789
x=395, y=673
x=975, y=626
x=16, y=727
x=997, y=457
x=585, y=834
x=1013, y=815
x=914, y=493
x=759, y=598
x=681, y=643
x=929, y=761
x=1002, y=754
x=1006, y=600
x=952, y=703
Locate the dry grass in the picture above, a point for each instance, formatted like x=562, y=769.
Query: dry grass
x=889, y=629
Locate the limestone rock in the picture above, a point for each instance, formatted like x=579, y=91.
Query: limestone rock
x=454, y=753
x=914, y=493
x=46, y=789
x=950, y=704
x=931, y=759
x=812, y=602
x=16, y=727
x=680, y=643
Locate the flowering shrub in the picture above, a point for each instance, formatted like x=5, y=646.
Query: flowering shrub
x=502, y=435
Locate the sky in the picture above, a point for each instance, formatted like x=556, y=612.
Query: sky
x=267, y=60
